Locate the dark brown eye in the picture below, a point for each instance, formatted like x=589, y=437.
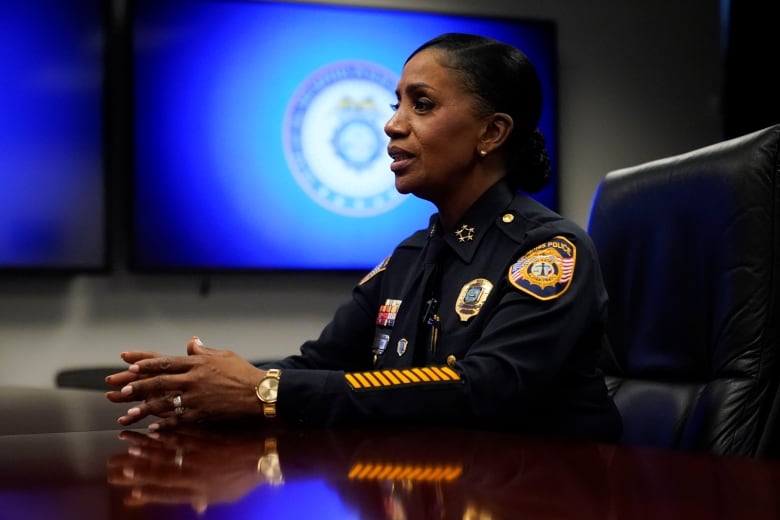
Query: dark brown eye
x=423, y=105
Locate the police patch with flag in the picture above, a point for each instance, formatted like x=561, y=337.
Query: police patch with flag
x=546, y=271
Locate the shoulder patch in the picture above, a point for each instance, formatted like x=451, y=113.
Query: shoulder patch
x=375, y=271
x=546, y=271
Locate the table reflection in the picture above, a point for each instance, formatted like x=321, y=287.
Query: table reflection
x=60, y=458
x=424, y=474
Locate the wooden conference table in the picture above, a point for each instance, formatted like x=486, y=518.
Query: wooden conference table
x=63, y=456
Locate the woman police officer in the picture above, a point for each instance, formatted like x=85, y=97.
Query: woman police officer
x=493, y=316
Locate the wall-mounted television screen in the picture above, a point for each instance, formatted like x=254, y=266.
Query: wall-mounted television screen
x=52, y=208
x=258, y=139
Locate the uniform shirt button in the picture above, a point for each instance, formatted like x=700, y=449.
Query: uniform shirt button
x=375, y=358
x=508, y=217
x=451, y=360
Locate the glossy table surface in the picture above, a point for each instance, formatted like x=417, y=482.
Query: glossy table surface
x=63, y=456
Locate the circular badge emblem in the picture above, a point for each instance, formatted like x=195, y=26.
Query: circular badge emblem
x=334, y=139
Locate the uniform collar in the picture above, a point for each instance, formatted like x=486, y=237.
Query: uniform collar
x=465, y=237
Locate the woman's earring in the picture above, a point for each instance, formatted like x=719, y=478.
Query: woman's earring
x=482, y=153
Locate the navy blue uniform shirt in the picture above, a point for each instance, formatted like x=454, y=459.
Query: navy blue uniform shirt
x=502, y=329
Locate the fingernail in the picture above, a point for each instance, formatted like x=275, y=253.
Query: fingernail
x=198, y=342
x=127, y=390
x=154, y=427
x=133, y=368
x=155, y=436
x=128, y=472
x=135, y=451
x=134, y=411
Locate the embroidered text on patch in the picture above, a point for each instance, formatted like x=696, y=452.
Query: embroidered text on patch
x=546, y=271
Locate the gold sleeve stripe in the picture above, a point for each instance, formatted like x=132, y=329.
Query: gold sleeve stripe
x=450, y=372
x=362, y=380
x=382, y=475
x=413, y=472
x=422, y=375
x=451, y=473
x=412, y=376
x=356, y=471
x=394, y=378
x=395, y=472
x=416, y=473
x=400, y=375
x=431, y=373
x=371, y=379
x=445, y=373
x=382, y=379
x=352, y=380
x=427, y=474
x=440, y=373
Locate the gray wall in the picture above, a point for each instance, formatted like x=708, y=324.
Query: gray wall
x=637, y=81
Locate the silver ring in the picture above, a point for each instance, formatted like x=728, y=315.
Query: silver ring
x=177, y=405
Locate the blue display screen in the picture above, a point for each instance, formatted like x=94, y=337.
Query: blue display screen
x=258, y=130
x=51, y=71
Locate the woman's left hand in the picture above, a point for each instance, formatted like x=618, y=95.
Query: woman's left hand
x=206, y=384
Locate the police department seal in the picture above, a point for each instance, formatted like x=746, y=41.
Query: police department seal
x=334, y=139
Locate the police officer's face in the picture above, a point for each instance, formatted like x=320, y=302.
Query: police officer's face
x=434, y=132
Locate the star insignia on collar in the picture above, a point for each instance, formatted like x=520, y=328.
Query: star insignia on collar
x=465, y=233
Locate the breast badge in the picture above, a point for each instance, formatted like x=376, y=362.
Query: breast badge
x=472, y=297
x=546, y=271
x=401, y=346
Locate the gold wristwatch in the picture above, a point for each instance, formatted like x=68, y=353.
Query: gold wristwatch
x=267, y=391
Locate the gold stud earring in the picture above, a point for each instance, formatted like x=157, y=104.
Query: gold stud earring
x=482, y=153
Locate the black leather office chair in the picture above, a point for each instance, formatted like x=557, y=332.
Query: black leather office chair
x=690, y=250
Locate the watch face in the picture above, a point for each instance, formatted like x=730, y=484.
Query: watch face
x=268, y=390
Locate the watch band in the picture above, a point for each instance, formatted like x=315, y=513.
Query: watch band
x=267, y=390
x=269, y=410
